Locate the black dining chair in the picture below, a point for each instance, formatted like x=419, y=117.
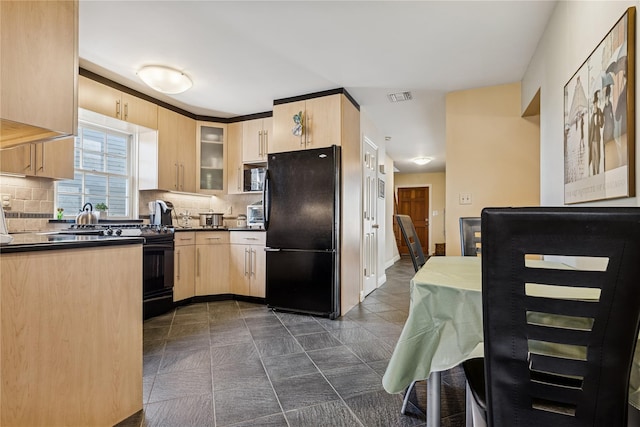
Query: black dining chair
x=553, y=358
x=416, y=253
x=470, y=236
x=412, y=240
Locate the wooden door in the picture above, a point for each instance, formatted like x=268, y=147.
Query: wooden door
x=239, y=269
x=18, y=159
x=234, y=158
x=139, y=111
x=54, y=159
x=213, y=274
x=283, y=139
x=258, y=271
x=186, y=139
x=167, y=149
x=184, y=272
x=415, y=203
x=323, y=124
x=99, y=98
x=252, y=146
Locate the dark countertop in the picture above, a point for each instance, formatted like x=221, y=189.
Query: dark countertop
x=179, y=229
x=28, y=242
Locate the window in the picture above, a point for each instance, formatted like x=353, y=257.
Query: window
x=102, y=162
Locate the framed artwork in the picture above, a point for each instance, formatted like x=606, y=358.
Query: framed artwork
x=380, y=188
x=599, y=119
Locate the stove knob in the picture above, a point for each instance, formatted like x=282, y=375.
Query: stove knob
x=164, y=230
x=118, y=232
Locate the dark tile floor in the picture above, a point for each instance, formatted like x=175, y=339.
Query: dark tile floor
x=238, y=364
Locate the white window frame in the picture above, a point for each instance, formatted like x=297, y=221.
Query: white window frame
x=132, y=201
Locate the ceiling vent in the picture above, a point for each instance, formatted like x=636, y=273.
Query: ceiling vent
x=400, y=96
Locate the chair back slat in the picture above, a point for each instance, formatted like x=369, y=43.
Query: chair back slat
x=412, y=240
x=470, y=236
x=562, y=358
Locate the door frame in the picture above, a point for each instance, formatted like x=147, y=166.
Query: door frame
x=395, y=190
x=376, y=221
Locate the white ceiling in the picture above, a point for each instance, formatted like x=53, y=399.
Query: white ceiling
x=242, y=55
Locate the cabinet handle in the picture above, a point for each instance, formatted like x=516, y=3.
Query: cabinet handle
x=245, y=261
x=213, y=238
x=250, y=238
x=30, y=166
x=198, y=262
x=126, y=110
x=182, y=180
x=252, y=254
x=118, y=109
x=308, y=128
x=265, y=147
x=42, y=159
x=178, y=264
x=185, y=238
x=259, y=143
x=175, y=183
x=239, y=179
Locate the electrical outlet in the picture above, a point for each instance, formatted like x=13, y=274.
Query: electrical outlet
x=464, y=198
x=6, y=200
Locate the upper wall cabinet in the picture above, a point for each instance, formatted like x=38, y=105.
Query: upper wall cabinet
x=211, y=157
x=167, y=158
x=47, y=159
x=111, y=102
x=235, y=167
x=255, y=139
x=321, y=124
x=38, y=71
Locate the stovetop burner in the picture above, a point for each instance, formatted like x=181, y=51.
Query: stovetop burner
x=126, y=229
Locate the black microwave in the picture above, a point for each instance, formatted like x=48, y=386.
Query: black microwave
x=254, y=179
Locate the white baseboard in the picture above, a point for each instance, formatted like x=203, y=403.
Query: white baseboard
x=382, y=280
x=392, y=261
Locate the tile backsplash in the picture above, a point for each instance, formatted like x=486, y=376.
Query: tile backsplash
x=31, y=200
x=32, y=203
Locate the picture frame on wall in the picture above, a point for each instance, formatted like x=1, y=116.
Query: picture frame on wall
x=599, y=119
x=380, y=188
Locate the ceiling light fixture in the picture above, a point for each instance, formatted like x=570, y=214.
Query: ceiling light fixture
x=422, y=160
x=165, y=79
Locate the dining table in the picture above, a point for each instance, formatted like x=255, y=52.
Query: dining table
x=444, y=328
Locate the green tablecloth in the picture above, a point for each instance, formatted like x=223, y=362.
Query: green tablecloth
x=444, y=326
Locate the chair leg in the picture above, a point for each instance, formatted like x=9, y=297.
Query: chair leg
x=468, y=406
x=405, y=401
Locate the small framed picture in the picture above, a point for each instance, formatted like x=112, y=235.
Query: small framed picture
x=380, y=188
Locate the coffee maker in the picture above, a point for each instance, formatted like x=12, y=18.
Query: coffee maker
x=161, y=212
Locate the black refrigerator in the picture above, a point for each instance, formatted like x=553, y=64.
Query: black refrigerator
x=302, y=221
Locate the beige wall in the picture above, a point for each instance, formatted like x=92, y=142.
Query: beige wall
x=492, y=154
x=437, y=190
x=574, y=30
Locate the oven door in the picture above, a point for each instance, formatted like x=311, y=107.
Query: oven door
x=157, y=277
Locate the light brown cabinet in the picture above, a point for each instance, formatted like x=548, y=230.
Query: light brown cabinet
x=211, y=177
x=184, y=268
x=234, y=158
x=176, y=152
x=38, y=71
x=212, y=263
x=322, y=118
x=248, y=263
x=71, y=324
x=50, y=159
x=111, y=102
x=255, y=139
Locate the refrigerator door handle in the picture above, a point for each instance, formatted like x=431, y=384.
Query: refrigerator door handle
x=266, y=199
x=272, y=250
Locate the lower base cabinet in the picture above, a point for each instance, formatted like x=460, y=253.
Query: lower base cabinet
x=184, y=268
x=212, y=263
x=219, y=262
x=248, y=263
x=71, y=336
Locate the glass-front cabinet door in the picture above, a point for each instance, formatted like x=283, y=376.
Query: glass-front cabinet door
x=211, y=157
